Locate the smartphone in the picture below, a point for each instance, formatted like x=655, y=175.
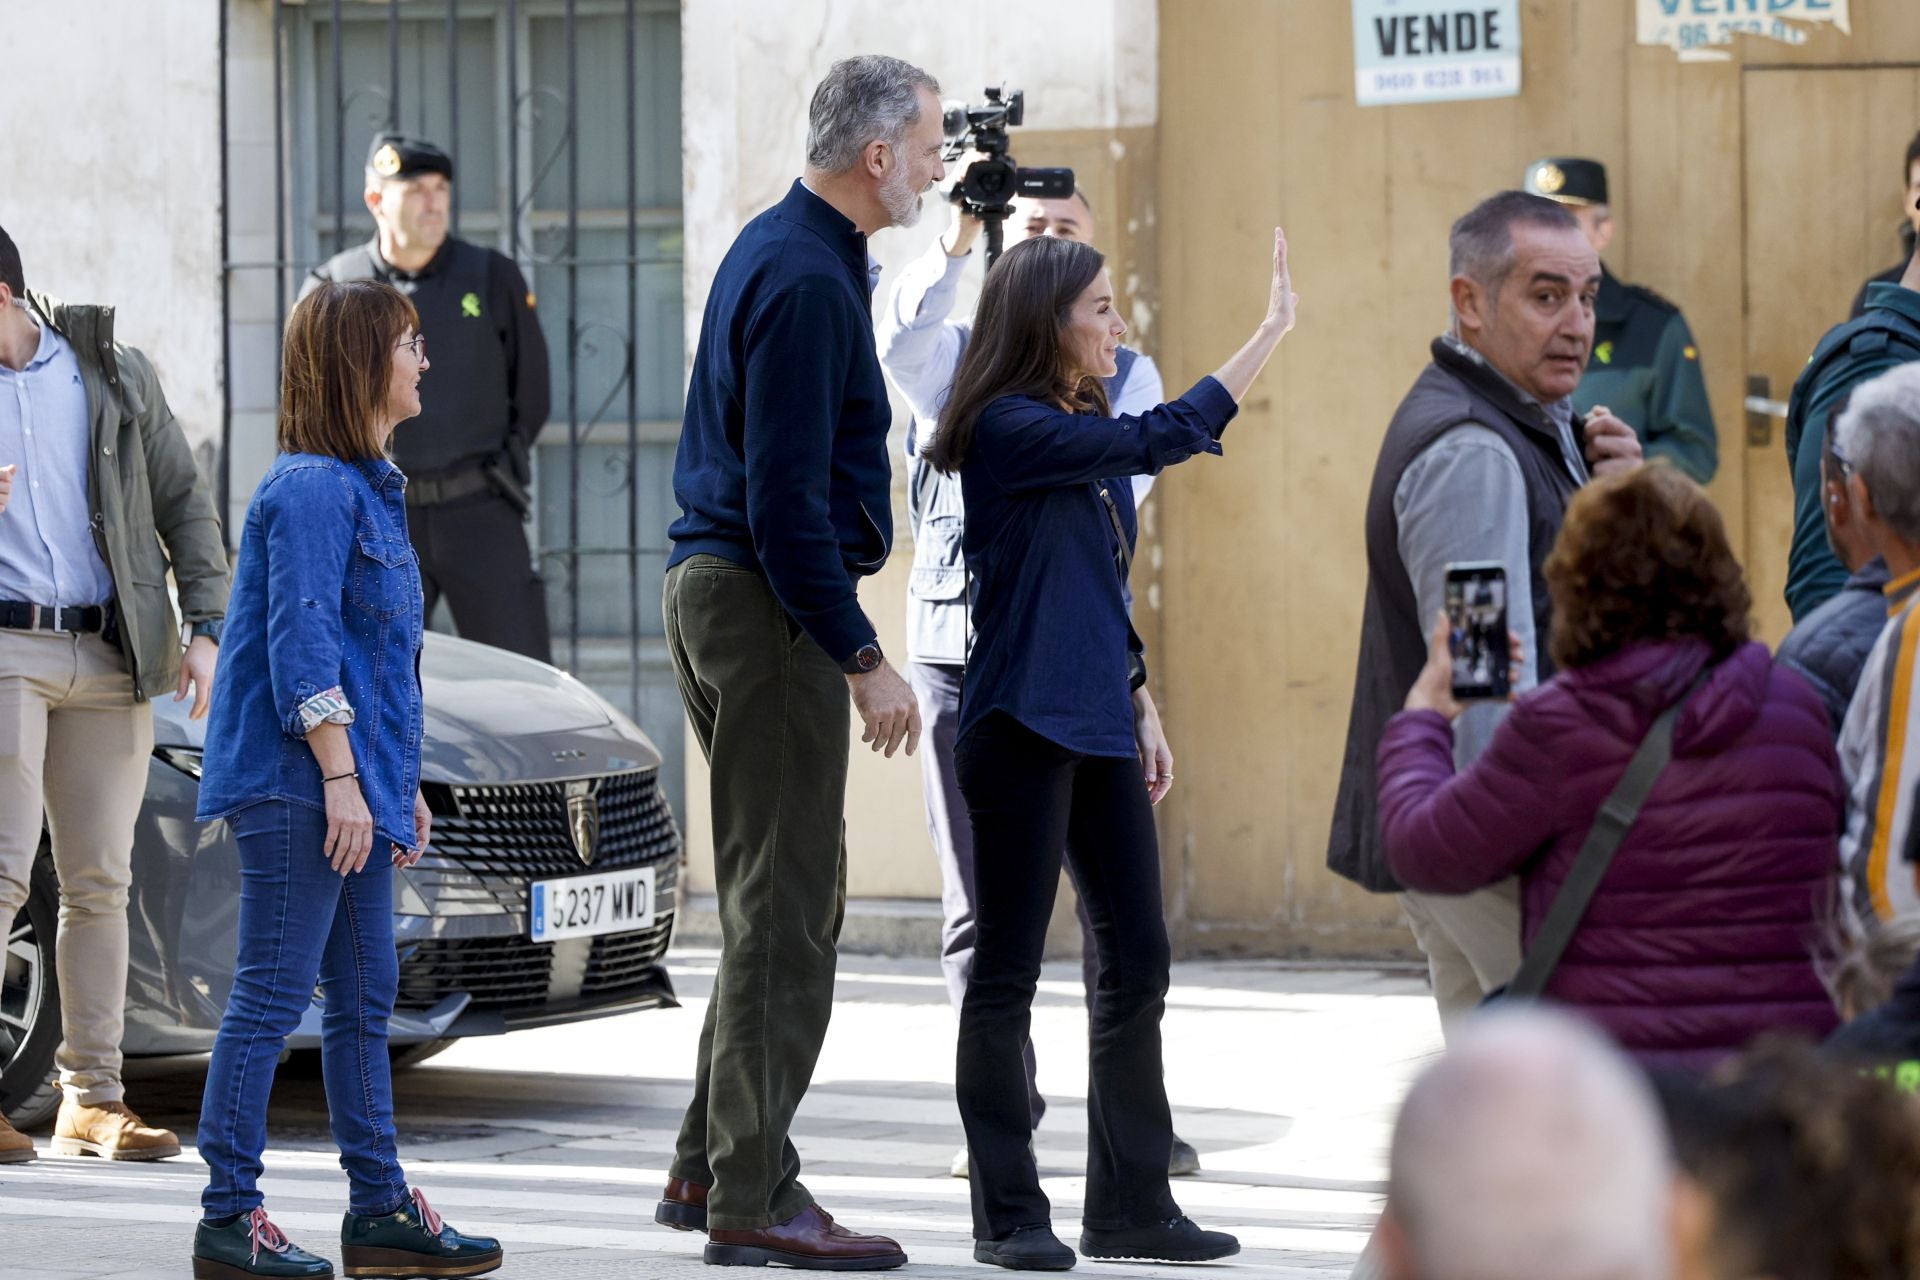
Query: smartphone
x=1477, y=612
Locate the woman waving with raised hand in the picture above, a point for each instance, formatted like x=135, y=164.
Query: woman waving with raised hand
x=1060, y=751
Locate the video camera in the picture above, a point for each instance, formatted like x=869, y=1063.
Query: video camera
x=987, y=190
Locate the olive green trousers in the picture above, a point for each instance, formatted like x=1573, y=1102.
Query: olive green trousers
x=772, y=714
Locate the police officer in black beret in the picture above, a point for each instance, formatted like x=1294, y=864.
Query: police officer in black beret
x=1645, y=367
x=466, y=455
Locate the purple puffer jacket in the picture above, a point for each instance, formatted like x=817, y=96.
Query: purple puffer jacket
x=1700, y=937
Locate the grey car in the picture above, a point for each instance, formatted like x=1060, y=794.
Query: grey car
x=547, y=894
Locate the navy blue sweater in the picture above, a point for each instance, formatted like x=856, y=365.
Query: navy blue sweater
x=783, y=463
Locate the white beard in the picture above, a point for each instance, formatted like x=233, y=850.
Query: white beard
x=902, y=203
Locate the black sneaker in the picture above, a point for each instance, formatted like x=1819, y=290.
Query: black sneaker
x=251, y=1245
x=412, y=1242
x=1033, y=1248
x=1175, y=1240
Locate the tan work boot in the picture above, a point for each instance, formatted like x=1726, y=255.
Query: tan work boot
x=110, y=1131
x=15, y=1147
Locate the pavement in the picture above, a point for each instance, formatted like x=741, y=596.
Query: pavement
x=1285, y=1077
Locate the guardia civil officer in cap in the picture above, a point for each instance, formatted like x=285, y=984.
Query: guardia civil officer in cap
x=1644, y=367
x=465, y=456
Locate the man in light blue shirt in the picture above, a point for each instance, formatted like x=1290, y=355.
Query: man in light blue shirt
x=47, y=551
x=920, y=348
x=100, y=502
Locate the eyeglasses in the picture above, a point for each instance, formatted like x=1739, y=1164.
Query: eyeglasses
x=417, y=344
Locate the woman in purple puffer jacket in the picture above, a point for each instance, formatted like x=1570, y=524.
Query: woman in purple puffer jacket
x=1701, y=934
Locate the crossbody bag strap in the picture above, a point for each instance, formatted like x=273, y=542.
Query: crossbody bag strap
x=1610, y=827
x=1123, y=557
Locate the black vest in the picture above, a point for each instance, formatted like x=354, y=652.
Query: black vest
x=465, y=407
x=1453, y=391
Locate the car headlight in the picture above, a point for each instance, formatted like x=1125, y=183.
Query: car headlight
x=185, y=759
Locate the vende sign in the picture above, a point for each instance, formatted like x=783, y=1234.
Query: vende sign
x=1435, y=50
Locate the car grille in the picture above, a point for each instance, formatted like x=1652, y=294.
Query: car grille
x=521, y=829
x=488, y=844
x=507, y=974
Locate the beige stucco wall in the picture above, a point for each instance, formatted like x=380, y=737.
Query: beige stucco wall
x=118, y=202
x=1265, y=567
x=749, y=67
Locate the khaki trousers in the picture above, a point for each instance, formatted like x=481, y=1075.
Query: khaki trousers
x=1471, y=941
x=74, y=746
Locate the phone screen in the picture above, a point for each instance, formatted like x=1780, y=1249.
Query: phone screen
x=1477, y=611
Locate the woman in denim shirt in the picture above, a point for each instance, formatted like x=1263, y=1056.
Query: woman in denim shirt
x=1060, y=752
x=313, y=756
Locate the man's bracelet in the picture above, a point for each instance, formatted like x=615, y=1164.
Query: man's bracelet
x=351, y=773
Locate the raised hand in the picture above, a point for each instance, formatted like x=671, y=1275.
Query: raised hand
x=1238, y=373
x=1281, y=299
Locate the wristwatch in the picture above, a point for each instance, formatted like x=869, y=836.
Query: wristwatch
x=866, y=658
x=210, y=628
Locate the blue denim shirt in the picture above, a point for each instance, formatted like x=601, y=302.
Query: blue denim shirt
x=324, y=625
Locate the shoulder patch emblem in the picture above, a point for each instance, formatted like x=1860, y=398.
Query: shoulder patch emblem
x=1690, y=352
x=529, y=299
x=470, y=305
x=1604, y=353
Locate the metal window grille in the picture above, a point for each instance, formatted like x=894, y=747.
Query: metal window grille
x=563, y=120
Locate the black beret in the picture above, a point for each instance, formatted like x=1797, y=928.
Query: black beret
x=395, y=155
x=1568, y=179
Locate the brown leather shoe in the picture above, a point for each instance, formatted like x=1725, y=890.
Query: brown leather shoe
x=111, y=1131
x=15, y=1147
x=809, y=1240
x=683, y=1206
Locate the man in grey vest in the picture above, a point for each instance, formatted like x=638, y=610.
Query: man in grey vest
x=920, y=348
x=1478, y=464
x=466, y=455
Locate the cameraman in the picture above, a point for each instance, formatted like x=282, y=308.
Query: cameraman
x=920, y=347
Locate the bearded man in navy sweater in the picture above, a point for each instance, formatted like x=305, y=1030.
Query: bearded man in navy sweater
x=785, y=497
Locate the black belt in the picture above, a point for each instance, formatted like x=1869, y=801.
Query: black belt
x=18, y=615
x=429, y=491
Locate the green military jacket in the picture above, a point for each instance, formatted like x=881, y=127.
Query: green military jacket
x=1646, y=369
x=1851, y=353
x=143, y=483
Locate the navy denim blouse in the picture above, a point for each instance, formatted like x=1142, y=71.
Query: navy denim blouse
x=324, y=625
x=1051, y=632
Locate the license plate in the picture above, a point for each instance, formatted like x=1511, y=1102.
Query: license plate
x=583, y=906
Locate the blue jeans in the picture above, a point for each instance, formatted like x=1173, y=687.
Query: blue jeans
x=300, y=920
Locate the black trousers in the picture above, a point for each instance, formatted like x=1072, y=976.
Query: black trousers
x=474, y=551
x=1031, y=802
x=937, y=686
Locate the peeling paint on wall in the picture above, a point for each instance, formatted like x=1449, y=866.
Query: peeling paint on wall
x=1701, y=30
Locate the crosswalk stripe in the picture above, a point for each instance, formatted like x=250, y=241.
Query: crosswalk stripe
x=320, y=1226
x=310, y=1176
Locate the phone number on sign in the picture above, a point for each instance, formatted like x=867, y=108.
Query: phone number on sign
x=1488, y=77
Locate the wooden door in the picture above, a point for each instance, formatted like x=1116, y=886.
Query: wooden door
x=1823, y=151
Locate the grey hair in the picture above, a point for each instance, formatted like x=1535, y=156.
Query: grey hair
x=1531, y=1151
x=1480, y=245
x=1879, y=438
x=865, y=99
